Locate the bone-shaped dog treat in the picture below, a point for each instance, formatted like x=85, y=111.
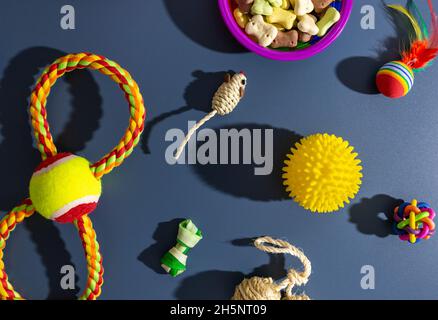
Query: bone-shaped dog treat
x=286, y=39
x=320, y=5
x=241, y=18
x=307, y=24
x=330, y=17
x=262, y=7
x=244, y=5
x=304, y=37
x=264, y=33
x=282, y=17
x=265, y=7
x=302, y=7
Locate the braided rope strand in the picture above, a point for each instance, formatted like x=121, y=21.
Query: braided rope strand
x=110, y=68
x=94, y=258
x=7, y=225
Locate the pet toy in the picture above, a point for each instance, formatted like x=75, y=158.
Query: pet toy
x=395, y=79
x=65, y=187
x=225, y=100
x=174, y=261
x=414, y=221
x=257, y=288
x=322, y=173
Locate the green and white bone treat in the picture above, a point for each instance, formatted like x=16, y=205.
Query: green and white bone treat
x=174, y=261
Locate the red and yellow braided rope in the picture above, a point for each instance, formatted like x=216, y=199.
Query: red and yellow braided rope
x=47, y=149
x=71, y=62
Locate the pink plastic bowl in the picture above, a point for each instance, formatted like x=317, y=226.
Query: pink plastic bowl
x=298, y=54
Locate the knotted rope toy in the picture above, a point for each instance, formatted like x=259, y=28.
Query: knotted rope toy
x=225, y=100
x=414, y=221
x=65, y=187
x=175, y=260
x=395, y=79
x=322, y=173
x=257, y=288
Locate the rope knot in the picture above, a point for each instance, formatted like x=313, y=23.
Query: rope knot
x=296, y=278
x=257, y=288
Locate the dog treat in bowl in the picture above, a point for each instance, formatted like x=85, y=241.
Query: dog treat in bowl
x=286, y=24
x=263, y=32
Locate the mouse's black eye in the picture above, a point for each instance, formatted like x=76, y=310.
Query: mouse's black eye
x=243, y=82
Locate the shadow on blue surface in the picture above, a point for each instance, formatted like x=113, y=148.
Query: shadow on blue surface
x=201, y=22
x=240, y=181
x=359, y=73
x=18, y=157
x=274, y=269
x=372, y=216
x=220, y=285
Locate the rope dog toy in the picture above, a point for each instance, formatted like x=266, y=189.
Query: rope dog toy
x=395, y=79
x=65, y=187
x=414, y=221
x=174, y=261
x=257, y=288
x=225, y=100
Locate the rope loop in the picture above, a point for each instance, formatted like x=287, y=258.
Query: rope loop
x=257, y=288
x=68, y=63
x=89, y=243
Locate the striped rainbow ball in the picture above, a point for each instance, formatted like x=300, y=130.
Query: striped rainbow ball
x=395, y=79
x=63, y=188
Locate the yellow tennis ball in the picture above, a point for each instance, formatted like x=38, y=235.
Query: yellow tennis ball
x=322, y=173
x=63, y=188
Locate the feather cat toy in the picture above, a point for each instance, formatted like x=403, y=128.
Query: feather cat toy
x=395, y=79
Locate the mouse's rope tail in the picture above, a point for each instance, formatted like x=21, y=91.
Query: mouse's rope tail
x=224, y=101
x=192, y=130
x=294, y=278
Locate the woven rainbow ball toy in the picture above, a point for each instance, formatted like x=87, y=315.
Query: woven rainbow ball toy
x=395, y=79
x=414, y=221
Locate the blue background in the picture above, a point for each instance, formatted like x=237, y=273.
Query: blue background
x=177, y=51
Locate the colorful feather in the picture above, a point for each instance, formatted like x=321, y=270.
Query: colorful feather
x=415, y=12
x=412, y=20
x=419, y=55
x=424, y=48
x=433, y=38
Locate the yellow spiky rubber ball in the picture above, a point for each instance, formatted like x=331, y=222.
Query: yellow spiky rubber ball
x=322, y=173
x=63, y=188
